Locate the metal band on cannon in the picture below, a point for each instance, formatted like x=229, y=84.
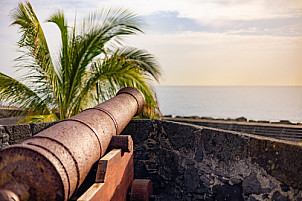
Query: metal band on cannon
x=54, y=163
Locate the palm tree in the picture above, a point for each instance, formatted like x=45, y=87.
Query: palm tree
x=91, y=66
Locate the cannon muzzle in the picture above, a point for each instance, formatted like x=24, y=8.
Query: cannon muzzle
x=54, y=163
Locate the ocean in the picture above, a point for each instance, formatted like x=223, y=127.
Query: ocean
x=253, y=103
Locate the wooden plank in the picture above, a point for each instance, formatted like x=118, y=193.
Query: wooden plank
x=116, y=173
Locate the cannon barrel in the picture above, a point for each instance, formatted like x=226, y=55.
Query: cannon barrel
x=52, y=164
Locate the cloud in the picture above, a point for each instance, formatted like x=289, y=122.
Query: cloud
x=216, y=11
x=212, y=11
x=205, y=11
x=195, y=58
x=277, y=27
x=183, y=15
x=172, y=22
x=196, y=42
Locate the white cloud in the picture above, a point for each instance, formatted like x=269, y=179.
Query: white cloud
x=211, y=11
x=214, y=12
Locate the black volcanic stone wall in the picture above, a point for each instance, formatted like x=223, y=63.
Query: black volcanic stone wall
x=278, y=131
x=188, y=162
x=4, y=138
x=12, y=134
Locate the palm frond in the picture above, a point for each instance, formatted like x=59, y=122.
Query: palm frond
x=39, y=118
x=59, y=19
x=113, y=73
x=33, y=42
x=100, y=28
x=35, y=53
x=17, y=94
x=142, y=59
x=103, y=26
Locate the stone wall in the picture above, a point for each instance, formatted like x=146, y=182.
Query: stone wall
x=187, y=162
x=11, y=134
x=281, y=130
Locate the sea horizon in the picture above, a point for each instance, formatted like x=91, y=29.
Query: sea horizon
x=267, y=103
x=259, y=103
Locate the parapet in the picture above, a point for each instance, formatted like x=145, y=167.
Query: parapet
x=187, y=162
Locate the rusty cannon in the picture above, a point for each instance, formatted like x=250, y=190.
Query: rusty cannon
x=55, y=163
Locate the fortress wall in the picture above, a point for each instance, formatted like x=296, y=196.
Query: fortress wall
x=279, y=131
x=187, y=162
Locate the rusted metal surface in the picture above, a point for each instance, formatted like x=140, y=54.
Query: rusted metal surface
x=53, y=163
x=101, y=171
x=8, y=195
x=141, y=190
x=123, y=142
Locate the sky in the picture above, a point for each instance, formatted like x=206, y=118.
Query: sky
x=196, y=42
